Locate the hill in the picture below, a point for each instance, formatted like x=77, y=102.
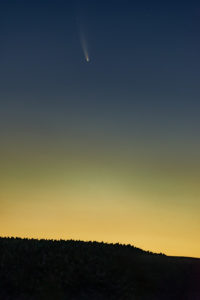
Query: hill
x=47, y=269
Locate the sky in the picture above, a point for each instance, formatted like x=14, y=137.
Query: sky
x=100, y=121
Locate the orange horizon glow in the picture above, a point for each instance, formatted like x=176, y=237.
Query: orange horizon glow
x=103, y=200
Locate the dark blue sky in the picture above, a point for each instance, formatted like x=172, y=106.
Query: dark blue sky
x=144, y=61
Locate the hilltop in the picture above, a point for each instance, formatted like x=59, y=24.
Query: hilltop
x=47, y=269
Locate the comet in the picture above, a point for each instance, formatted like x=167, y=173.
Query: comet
x=84, y=46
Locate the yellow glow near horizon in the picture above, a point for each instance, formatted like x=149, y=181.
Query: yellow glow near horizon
x=146, y=205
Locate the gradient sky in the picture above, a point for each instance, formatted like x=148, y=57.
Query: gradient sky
x=107, y=150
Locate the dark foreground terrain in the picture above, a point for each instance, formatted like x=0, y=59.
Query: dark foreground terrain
x=32, y=269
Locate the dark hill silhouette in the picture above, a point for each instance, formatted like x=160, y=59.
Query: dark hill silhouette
x=46, y=269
